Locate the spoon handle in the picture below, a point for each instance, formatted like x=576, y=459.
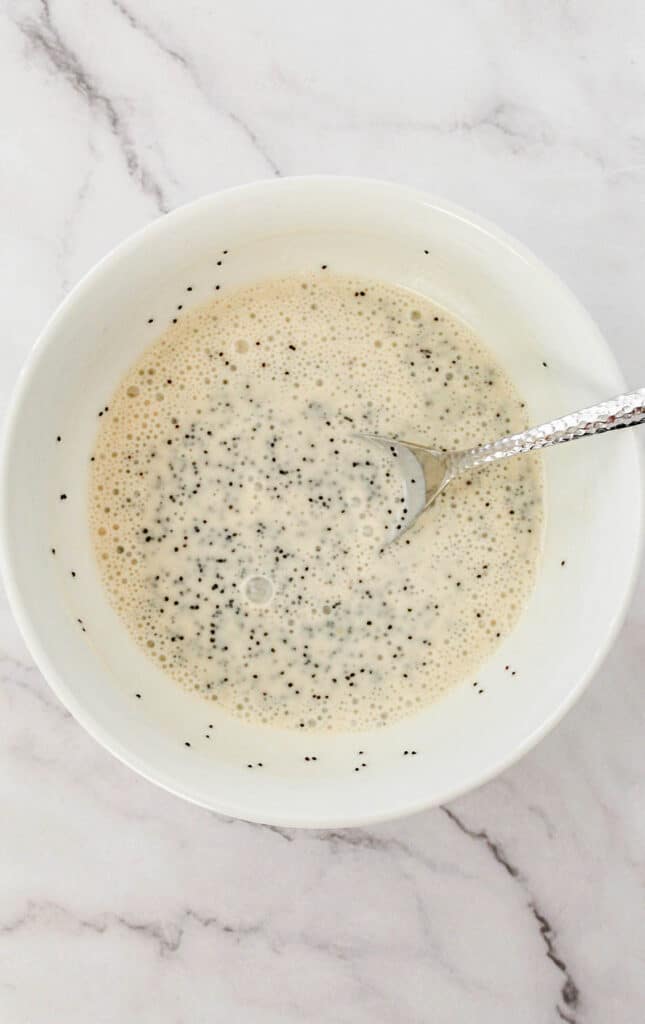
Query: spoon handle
x=622, y=411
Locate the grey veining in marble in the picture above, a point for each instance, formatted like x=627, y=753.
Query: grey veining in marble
x=522, y=902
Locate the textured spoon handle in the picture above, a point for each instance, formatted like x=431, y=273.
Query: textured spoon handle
x=622, y=411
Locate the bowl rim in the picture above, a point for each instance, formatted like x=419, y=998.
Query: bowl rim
x=19, y=606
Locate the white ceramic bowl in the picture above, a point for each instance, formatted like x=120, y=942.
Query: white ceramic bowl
x=535, y=327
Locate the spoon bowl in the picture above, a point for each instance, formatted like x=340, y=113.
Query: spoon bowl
x=425, y=473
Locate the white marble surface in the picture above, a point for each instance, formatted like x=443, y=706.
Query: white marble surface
x=522, y=902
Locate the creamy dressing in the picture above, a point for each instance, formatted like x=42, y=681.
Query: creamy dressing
x=239, y=522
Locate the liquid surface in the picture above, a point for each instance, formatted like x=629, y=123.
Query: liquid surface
x=239, y=522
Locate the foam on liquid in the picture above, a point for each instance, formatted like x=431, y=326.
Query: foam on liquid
x=238, y=520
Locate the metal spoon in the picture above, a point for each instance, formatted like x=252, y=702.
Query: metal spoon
x=427, y=471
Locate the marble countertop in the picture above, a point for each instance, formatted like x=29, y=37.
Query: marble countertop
x=521, y=902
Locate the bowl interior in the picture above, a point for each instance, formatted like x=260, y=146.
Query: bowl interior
x=539, y=333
